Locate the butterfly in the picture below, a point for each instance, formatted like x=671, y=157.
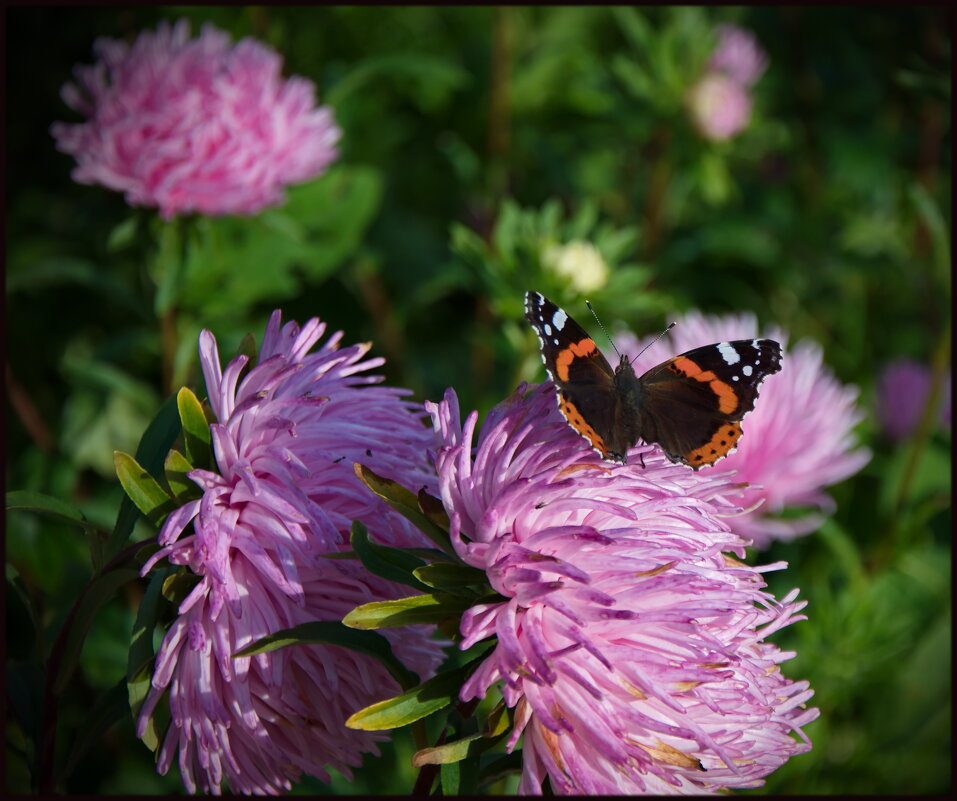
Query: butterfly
x=691, y=405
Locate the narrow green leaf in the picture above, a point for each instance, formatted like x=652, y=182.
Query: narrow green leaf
x=405, y=503
x=406, y=611
x=179, y=585
x=122, y=235
x=139, y=664
x=97, y=592
x=196, y=436
x=450, y=577
x=175, y=469
x=151, y=454
x=431, y=696
x=332, y=632
x=389, y=563
x=433, y=509
x=49, y=506
x=144, y=490
x=445, y=754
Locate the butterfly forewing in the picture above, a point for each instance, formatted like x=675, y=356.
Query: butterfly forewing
x=692, y=404
x=582, y=376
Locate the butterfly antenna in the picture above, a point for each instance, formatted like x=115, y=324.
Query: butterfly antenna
x=600, y=325
x=670, y=326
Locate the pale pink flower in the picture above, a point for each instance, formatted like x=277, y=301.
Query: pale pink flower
x=194, y=125
x=284, y=493
x=720, y=107
x=631, y=647
x=738, y=55
x=902, y=391
x=798, y=440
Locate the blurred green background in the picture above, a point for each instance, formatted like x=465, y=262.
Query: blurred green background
x=472, y=139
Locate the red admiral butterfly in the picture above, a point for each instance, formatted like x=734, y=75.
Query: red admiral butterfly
x=691, y=405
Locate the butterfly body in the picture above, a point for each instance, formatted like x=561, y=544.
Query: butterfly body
x=690, y=405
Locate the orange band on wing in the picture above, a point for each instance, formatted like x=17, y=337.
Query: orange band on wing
x=574, y=418
x=723, y=441
x=727, y=398
x=585, y=347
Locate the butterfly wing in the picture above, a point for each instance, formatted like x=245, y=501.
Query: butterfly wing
x=692, y=405
x=582, y=376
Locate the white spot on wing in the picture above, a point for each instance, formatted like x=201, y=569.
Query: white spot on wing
x=558, y=319
x=547, y=329
x=747, y=369
x=728, y=353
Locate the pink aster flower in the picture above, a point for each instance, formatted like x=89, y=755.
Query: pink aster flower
x=631, y=647
x=738, y=55
x=194, y=125
x=282, y=495
x=902, y=391
x=720, y=107
x=798, y=440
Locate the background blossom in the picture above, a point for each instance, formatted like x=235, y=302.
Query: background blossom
x=720, y=101
x=284, y=493
x=799, y=438
x=630, y=645
x=902, y=391
x=194, y=125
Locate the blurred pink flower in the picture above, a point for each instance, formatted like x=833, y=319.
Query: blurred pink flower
x=720, y=107
x=194, y=125
x=283, y=494
x=631, y=647
x=902, y=391
x=738, y=55
x=719, y=102
x=798, y=440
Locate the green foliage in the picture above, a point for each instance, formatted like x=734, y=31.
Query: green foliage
x=483, y=148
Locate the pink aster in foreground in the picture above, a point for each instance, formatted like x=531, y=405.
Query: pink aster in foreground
x=194, y=125
x=799, y=438
x=902, y=393
x=631, y=647
x=283, y=493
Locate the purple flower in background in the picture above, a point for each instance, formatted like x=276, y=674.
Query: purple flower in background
x=797, y=440
x=194, y=125
x=283, y=494
x=719, y=102
x=630, y=645
x=738, y=55
x=902, y=392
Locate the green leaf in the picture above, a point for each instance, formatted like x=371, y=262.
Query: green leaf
x=389, y=563
x=139, y=665
x=49, y=506
x=196, y=434
x=178, y=586
x=435, y=694
x=175, y=469
x=406, y=611
x=151, y=454
x=447, y=753
x=145, y=491
x=450, y=576
x=405, y=503
x=122, y=235
x=100, y=590
x=332, y=632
